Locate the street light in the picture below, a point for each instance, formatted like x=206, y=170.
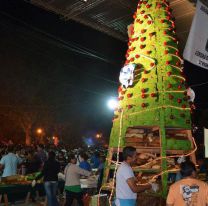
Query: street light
x=98, y=136
x=40, y=134
x=112, y=103
x=39, y=131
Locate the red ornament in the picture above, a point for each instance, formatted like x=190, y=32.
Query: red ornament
x=153, y=95
x=123, y=92
x=144, y=2
x=165, y=43
x=142, y=46
x=143, y=79
x=159, y=6
x=138, y=7
x=162, y=21
x=142, y=39
x=178, y=63
x=148, y=52
x=151, y=34
x=141, y=22
x=145, y=16
x=145, y=72
x=169, y=85
x=132, y=59
x=149, y=22
x=148, y=6
x=166, y=51
x=169, y=73
x=170, y=96
x=143, y=95
x=179, y=100
x=177, y=53
x=143, y=105
x=179, y=86
x=164, y=32
x=129, y=95
x=142, y=12
x=143, y=90
x=152, y=64
x=167, y=62
x=120, y=89
x=130, y=106
x=143, y=31
x=168, y=17
x=137, y=56
x=182, y=81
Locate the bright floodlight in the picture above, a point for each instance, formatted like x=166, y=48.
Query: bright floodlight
x=112, y=103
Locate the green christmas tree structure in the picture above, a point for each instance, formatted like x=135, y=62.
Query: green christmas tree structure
x=158, y=93
x=153, y=91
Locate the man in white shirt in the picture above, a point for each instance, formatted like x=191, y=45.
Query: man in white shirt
x=126, y=187
x=10, y=162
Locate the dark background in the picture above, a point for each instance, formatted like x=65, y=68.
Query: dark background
x=66, y=69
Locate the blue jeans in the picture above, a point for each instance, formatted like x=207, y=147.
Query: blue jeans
x=51, y=189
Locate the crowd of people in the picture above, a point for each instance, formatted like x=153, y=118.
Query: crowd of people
x=62, y=169
x=59, y=167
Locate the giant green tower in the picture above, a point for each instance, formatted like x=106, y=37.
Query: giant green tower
x=153, y=91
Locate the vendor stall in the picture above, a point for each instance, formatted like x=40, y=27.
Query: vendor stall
x=18, y=187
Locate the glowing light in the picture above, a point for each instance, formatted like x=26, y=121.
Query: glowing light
x=112, y=104
x=39, y=131
x=98, y=136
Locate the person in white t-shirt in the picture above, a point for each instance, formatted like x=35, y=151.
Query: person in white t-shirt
x=126, y=187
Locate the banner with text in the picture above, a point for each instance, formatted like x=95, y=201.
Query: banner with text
x=196, y=50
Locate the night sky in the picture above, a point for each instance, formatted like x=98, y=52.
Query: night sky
x=66, y=67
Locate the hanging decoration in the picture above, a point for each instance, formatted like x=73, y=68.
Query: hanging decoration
x=126, y=77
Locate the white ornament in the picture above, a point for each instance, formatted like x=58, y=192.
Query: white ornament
x=127, y=75
x=191, y=94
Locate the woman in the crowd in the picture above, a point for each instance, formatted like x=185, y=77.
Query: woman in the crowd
x=50, y=172
x=72, y=181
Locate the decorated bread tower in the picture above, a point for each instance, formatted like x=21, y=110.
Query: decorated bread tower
x=153, y=112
